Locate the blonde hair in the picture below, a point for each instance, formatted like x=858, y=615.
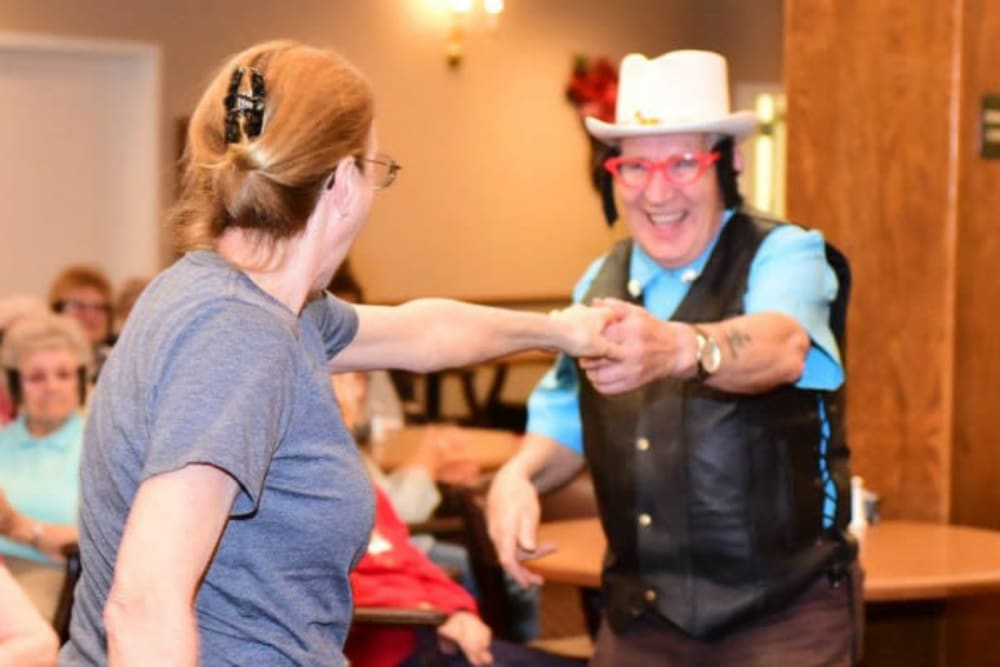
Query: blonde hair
x=79, y=276
x=318, y=109
x=44, y=331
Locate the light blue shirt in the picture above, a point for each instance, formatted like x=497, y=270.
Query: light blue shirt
x=41, y=477
x=789, y=275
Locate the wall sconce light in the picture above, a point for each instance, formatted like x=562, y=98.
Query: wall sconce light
x=460, y=11
x=769, y=154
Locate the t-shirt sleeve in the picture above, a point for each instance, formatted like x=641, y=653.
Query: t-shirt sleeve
x=790, y=275
x=223, y=397
x=336, y=321
x=554, y=406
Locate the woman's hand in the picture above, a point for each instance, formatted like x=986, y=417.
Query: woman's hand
x=471, y=635
x=8, y=515
x=651, y=349
x=46, y=537
x=582, y=331
x=444, y=453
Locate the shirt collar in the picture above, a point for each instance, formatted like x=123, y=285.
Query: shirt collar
x=55, y=440
x=644, y=269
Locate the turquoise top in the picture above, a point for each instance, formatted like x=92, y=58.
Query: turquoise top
x=789, y=274
x=41, y=477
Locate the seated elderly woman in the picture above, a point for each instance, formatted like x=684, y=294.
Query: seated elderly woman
x=12, y=308
x=393, y=573
x=45, y=359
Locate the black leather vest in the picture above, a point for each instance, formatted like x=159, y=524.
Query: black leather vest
x=713, y=503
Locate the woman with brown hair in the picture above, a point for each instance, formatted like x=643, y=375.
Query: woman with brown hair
x=223, y=501
x=84, y=293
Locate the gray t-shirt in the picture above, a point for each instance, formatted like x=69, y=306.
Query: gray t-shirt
x=211, y=369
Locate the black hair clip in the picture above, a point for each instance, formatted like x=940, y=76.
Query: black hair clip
x=250, y=107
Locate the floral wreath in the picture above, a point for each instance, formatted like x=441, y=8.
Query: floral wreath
x=593, y=91
x=593, y=88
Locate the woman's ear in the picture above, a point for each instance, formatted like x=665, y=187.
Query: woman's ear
x=344, y=187
x=738, y=160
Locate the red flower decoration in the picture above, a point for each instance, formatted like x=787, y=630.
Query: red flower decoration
x=593, y=88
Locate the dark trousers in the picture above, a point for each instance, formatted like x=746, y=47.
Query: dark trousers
x=505, y=654
x=821, y=628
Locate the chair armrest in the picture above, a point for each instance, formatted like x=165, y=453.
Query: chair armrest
x=61, y=618
x=438, y=526
x=71, y=551
x=393, y=616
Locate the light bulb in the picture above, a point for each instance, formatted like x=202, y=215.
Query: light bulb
x=493, y=6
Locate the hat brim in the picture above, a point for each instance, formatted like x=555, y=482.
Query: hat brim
x=738, y=125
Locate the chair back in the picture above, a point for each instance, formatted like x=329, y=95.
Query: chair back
x=64, y=608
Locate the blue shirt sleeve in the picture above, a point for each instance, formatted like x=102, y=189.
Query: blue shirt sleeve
x=554, y=405
x=790, y=275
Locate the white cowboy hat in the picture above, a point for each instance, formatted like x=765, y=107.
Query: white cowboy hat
x=680, y=91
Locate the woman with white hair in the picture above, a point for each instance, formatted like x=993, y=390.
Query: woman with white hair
x=12, y=308
x=45, y=360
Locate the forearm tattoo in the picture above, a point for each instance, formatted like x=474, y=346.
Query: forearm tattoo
x=737, y=341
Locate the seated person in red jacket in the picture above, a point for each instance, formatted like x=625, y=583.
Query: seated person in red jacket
x=394, y=573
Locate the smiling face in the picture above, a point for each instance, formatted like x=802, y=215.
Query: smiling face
x=672, y=223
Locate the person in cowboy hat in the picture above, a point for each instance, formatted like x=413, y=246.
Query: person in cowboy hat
x=716, y=443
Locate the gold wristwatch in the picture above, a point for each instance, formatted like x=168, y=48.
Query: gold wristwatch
x=708, y=356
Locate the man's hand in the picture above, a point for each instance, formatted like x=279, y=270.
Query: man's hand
x=648, y=349
x=512, y=513
x=470, y=634
x=584, y=329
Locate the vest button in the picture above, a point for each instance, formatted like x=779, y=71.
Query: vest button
x=642, y=444
x=645, y=520
x=649, y=595
x=634, y=288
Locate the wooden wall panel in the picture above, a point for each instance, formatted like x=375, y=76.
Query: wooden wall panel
x=870, y=162
x=976, y=479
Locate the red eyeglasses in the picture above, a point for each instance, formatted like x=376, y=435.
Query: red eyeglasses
x=636, y=173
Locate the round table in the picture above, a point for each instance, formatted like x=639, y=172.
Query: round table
x=903, y=560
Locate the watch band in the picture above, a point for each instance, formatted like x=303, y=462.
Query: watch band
x=708, y=356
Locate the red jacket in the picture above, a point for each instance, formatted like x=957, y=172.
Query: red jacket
x=394, y=573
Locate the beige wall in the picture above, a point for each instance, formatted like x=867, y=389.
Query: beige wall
x=494, y=199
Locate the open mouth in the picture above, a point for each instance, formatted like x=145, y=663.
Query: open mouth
x=667, y=219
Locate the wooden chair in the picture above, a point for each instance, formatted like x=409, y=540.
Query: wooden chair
x=367, y=615
x=60, y=621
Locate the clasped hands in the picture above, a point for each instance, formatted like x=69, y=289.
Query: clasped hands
x=621, y=346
